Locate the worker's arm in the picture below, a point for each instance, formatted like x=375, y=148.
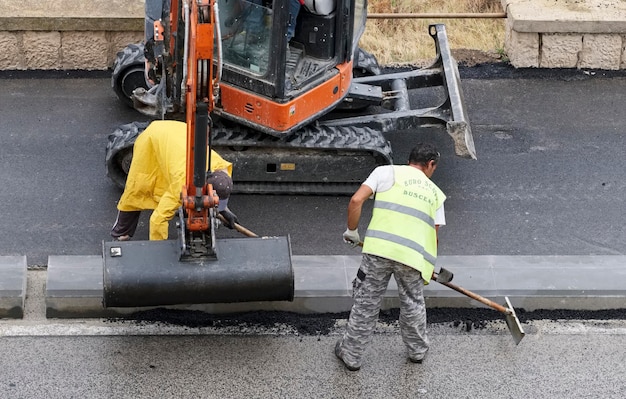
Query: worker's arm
x=164, y=212
x=351, y=235
x=356, y=204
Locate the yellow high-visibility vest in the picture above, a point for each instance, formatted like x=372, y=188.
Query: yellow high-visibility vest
x=403, y=221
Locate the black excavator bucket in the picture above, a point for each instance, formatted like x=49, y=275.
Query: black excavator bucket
x=151, y=273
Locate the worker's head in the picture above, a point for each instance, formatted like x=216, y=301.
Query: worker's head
x=222, y=184
x=425, y=156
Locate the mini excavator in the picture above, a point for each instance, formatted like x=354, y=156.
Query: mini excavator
x=287, y=113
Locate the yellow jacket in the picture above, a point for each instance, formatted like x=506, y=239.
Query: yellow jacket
x=157, y=174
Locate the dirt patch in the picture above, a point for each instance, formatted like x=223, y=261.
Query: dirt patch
x=470, y=57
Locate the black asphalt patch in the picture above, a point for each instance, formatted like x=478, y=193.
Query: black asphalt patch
x=323, y=324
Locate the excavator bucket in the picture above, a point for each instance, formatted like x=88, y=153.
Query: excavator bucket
x=151, y=273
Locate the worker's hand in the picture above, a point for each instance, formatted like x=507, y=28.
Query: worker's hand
x=352, y=237
x=230, y=217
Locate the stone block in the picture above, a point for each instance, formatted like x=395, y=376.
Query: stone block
x=42, y=50
x=11, y=52
x=522, y=48
x=74, y=287
x=602, y=51
x=84, y=50
x=560, y=50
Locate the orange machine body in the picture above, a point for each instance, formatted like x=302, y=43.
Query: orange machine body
x=282, y=116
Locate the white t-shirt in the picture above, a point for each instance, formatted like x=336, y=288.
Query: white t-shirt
x=381, y=179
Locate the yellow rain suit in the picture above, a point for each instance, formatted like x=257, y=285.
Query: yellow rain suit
x=157, y=174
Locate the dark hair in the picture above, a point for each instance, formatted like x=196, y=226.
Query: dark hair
x=423, y=153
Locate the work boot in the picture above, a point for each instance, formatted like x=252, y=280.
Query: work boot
x=339, y=353
x=419, y=359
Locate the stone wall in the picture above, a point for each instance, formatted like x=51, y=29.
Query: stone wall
x=79, y=34
x=65, y=50
x=566, y=33
x=67, y=34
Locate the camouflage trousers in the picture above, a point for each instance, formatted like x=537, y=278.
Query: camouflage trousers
x=368, y=289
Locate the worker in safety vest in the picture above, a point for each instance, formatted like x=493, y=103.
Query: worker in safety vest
x=401, y=239
x=156, y=178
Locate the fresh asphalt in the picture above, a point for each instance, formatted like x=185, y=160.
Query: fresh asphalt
x=548, y=181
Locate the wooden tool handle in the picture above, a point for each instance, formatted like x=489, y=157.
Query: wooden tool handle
x=477, y=297
x=238, y=227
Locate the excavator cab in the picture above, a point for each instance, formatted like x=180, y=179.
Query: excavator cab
x=279, y=49
x=285, y=65
x=280, y=65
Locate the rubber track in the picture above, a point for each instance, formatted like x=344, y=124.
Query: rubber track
x=362, y=139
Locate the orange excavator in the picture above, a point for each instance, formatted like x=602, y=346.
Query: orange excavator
x=282, y=91
x=288, y=107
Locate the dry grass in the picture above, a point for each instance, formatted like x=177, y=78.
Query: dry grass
x=398, y=41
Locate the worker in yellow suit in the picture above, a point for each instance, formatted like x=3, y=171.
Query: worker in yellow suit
x=156, y=177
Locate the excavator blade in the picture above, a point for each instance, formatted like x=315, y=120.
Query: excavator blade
x=458, y=126
x=150, y=273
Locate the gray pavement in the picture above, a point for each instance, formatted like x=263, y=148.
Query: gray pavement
x=563, y=361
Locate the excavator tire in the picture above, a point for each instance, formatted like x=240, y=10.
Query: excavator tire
x=119, y=152
x=129, y=72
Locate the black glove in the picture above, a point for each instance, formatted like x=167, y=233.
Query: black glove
x=230, y=217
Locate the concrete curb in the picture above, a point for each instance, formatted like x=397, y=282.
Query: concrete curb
x=324, y=283
x=12, y=286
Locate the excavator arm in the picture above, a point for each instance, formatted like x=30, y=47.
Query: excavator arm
x=199, y=102
x=195, y=20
